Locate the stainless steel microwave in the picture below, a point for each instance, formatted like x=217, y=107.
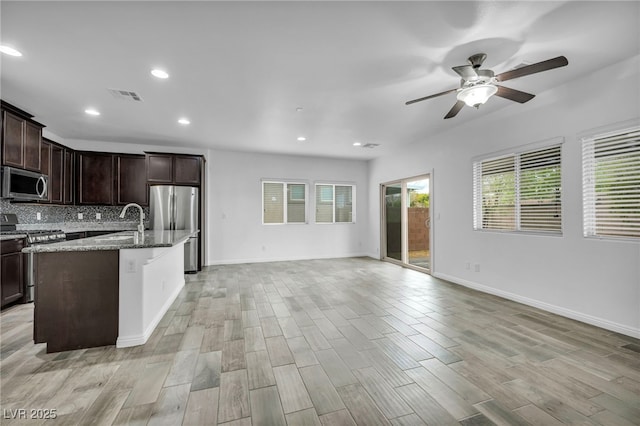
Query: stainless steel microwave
x=23, y=185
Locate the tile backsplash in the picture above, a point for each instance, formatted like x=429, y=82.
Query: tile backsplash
x=27, y=213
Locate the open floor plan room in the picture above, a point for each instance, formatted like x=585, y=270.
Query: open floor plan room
x=331, y=342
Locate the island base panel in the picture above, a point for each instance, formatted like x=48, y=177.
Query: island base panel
x=76, y=303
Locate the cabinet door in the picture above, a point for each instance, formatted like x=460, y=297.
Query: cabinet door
x=32, y=146
x=45, y=165
x=131, y=180
x=68, y=177
x=95, y=178
x=187, y=170
x=56, y=175
x=13, y=128
x=12, y=282
x=159, y=168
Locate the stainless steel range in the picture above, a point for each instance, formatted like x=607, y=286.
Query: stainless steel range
x=8, y=225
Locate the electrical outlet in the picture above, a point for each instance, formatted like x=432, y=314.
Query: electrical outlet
x=80, y=216
x=131, y=266
x=38, y=216
x=476, y=267
x=467, y=265
x=98, y=216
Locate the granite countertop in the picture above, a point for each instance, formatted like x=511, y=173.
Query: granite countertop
x=79, y=226
x=12, y=236
x=119, y=241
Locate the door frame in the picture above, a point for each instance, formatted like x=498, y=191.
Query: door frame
x=404, y=224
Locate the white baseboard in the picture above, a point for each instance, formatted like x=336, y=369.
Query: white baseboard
x=578, y=316
x=141, y=339
x=282, y=259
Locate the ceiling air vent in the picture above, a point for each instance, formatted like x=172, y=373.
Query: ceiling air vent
x=370, y=145
x=125, y=95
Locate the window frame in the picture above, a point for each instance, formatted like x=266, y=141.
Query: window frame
x=285, y=200
x=516, y=154
x=333, y=202
x=589, y=196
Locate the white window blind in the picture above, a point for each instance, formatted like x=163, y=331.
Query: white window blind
x=519, y=192
x=284, y=202
x=296, y=203
x=540, y=184
x=611, y=184
x=335, y=203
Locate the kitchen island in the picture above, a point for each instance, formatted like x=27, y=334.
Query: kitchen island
x=106, y=290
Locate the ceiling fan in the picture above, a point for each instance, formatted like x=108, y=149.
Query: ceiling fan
x=478, y=85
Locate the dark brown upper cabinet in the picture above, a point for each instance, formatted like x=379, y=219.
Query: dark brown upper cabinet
x=173, y=169
x=69, y=180
x=56, y=174
x=12, y=140
x=21, y=139
x=61, y=176
x=187, y=170
x=95, y=178
x=159, y=168
x=32, y=147
x=131, y=180
x=45, y=165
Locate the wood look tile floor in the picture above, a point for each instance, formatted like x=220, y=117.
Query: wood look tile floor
x=331, y=342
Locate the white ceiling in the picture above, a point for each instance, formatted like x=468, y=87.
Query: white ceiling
x=239, y=70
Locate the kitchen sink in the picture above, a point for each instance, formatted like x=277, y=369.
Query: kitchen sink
x=115, y=238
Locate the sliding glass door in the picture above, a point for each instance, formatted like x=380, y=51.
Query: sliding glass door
x=406, y=222
x=393, y=221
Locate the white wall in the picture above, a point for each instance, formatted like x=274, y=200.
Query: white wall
x=235, y=230
x=596, y=281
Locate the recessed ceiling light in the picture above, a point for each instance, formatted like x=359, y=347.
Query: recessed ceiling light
x=357, y=144
x=302, y=138
x=159, y=73
x=9, y=50
x=92, y=111
x=184, y=121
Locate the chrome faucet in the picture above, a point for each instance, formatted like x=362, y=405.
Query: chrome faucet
x=141, y=225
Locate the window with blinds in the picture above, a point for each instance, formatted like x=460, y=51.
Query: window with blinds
x=284, y=202
x=611, y=184
x=335, y=203
x=519, y=192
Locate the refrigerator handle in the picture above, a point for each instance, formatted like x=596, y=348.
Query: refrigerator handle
x=172, y=211
x=175, y=211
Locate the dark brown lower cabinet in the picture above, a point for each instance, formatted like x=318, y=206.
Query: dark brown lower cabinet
x=12, y=271
x=76, y=303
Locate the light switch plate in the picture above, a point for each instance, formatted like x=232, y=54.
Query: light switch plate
x=80, y=216
x=98, y=216
x=38, y=216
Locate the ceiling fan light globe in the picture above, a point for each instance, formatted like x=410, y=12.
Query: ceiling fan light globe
x=476, y=95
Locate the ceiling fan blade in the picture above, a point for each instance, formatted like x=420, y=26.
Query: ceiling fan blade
x=514, y=95
x=549, y=64
x=429, y=97
x=467, y=72
x=455, y=110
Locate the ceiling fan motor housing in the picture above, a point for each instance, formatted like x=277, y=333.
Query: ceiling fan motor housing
x=477, y=60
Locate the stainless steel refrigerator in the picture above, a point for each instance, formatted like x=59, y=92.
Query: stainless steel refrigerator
x=176, y=208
